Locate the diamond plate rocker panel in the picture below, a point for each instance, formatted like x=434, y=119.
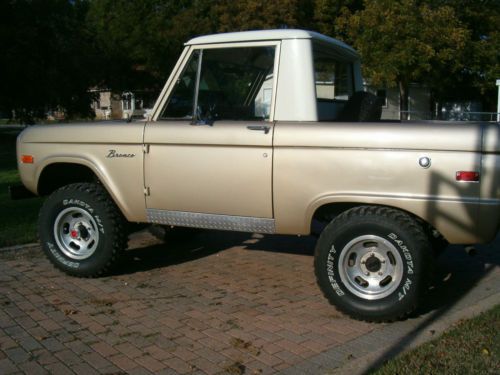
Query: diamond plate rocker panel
x=211, y=221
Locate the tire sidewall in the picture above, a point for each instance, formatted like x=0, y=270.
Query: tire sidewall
x=328, y=252
x=82, y=199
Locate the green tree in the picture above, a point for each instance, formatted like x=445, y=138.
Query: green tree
x=326, y=13
x=141, y=40
x=480, y=58
x=260, y=14
x=48, y=60
x=404, y=41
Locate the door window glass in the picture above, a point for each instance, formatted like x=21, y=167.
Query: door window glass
x=180, y=103
x=234, y=84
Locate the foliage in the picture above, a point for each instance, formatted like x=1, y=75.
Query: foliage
x=404, y=41
x=141, y=40
x=53, y=51
x=480, y=60
x=48, y=59
x=471, y=347
x=327, y=11
x=260, y=14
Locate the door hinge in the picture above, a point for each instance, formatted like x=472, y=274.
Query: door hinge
x=145, y=148
x=146, y=191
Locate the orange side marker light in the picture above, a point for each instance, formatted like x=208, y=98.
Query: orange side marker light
x=27, y=159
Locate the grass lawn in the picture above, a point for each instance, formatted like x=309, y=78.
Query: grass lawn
x=470, y=347
x=17, y=218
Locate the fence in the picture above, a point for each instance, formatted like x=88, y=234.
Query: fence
x=452, y=116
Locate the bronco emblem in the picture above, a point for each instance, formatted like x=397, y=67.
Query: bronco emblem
x=114, y=154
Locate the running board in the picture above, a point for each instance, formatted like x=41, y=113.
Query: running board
x=211, y=221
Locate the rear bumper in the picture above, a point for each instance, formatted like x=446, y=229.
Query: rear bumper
x=17, y=192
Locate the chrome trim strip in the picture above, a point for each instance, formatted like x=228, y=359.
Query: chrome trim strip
x=211, y=221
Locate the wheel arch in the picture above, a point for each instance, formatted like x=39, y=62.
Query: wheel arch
x=327, y=211
x=56, y=173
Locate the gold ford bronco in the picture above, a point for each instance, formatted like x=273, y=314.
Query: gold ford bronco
x=270, y=132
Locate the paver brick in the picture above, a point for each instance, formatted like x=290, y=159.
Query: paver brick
x=52, y=344
x=7, y=366
x=103, y=349
x=185, y=354
x=236, y=309
x=95, y=360
x=18, y=355
x=269, y=359
x=150, y=363
x=123, y=362
x=7, y=343
x=32, y=368
x=59, y=369
x=44, y=357
x=68, y=357
x=129, y=350
x=84, y=369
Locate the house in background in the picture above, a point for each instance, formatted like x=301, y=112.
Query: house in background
x=420, y=106
x=419, y=102
x=109, y=105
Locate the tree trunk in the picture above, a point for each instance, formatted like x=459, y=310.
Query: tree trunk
x=403, y=100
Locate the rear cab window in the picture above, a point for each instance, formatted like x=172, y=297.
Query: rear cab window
x=334, y=81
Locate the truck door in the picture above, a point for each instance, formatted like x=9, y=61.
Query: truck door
x=209, y=157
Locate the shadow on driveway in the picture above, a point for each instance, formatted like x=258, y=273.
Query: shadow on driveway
x=455, y=273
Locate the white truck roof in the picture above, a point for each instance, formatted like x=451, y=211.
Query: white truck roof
x=247, y=36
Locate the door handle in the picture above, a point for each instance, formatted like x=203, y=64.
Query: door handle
x=263, y=128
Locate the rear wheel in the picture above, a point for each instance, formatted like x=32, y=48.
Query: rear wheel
x=372, y=263
x=81, y=230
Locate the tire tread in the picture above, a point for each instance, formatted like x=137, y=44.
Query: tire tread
x=117, y=227
x=380, y=213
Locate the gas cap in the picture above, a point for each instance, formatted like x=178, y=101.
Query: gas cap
x=424, y=162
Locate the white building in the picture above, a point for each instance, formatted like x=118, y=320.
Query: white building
x=109, y=105
x=419, y=102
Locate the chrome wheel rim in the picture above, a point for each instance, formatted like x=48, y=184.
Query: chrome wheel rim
x=76, y=233
x=370, y=267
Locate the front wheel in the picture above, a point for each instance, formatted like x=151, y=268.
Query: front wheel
x=81, y=230
x=372, y=263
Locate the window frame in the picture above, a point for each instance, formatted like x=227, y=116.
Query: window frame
x=186, y=56
x=339, y=58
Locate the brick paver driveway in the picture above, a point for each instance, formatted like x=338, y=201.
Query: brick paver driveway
x=218, y=302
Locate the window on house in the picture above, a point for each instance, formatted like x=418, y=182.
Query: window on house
x=127, y=101
x=234, y=84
